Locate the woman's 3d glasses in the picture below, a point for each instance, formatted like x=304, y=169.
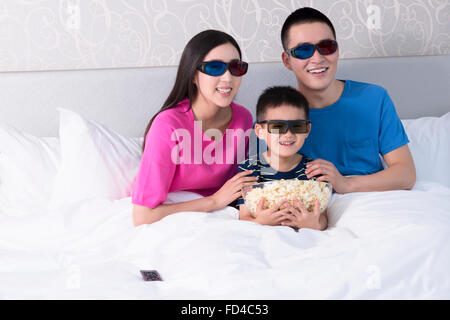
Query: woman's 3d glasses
x=282, y=126
x=306, y=50
x=217, y=68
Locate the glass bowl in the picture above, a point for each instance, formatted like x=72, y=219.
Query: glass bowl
x=306, y=191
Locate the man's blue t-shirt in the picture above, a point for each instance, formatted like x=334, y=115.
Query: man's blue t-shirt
x=355, y=130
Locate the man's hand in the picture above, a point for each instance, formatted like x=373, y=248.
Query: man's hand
x=400, y=174
x=328, y=173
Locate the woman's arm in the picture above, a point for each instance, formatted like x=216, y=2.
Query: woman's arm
x=229, y=192
x=145, y=215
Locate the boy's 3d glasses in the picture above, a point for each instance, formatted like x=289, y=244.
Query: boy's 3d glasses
x=217, y=68
x=306, y=50
x=282, y=126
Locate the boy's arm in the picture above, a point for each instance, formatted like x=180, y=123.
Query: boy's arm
x=400, y=174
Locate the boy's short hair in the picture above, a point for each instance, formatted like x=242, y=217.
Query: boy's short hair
x=303, y=15
x=277, y=96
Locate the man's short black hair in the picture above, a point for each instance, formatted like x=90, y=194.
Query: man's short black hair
x=303, y=15
x=277, y=96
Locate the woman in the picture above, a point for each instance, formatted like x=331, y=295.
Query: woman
x=193, y=142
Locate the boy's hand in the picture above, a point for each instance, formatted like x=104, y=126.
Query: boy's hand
x=328, y=173
x=272, y=216
x=301, y=218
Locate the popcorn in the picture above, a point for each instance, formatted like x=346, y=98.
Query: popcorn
x=307, y=191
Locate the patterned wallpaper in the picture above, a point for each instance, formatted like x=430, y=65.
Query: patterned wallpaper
x=77, y=34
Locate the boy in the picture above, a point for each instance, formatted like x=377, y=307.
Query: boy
x=283, y=123
x=354, y=122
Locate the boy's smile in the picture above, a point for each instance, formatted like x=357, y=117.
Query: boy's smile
x=282, y=147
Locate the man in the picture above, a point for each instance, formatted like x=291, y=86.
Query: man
x=352, y=122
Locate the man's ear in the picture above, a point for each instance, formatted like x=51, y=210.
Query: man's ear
x=286, y=60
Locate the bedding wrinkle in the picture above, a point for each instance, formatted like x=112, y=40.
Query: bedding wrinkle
x=379, y=245
x=390, y=235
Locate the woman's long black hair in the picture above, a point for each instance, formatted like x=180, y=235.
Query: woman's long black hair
x=193, y=54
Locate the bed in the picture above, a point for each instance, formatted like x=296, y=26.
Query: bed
x=69, y=151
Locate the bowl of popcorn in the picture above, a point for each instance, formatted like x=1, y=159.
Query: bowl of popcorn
x=307, y=191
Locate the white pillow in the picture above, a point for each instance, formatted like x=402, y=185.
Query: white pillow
x=28, y=167
x=96, y=162
x=430, y=147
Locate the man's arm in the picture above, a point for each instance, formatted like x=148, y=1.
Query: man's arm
x=400, y=174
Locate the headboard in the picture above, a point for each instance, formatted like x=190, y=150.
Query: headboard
x=125, y=99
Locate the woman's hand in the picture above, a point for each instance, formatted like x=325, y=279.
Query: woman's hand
x=301, y=218
x=232, y=189
x=272, y=216
x=328, y=173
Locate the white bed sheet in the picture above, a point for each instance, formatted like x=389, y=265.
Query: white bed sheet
x=378, y=245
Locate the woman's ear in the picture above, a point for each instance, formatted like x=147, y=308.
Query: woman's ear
x=195, y=79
